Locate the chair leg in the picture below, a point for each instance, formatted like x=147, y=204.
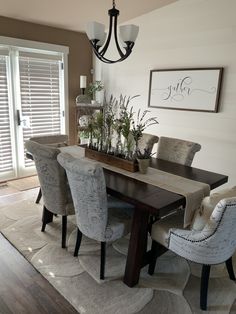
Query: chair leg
x=154, y=251
x=39, y=196
x=78, y=242
x=204, y=286
x=64, y=230
x=103, y=260
x=230, y=269
x=152, y=220
x=46, y=218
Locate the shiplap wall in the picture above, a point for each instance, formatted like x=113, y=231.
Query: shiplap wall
x=188, y=33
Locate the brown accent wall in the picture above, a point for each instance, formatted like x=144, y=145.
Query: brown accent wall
x=79, y=59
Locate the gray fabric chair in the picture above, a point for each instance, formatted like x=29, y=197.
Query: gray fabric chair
x=57, y=140
x=55, y=189
x=94, y=219
x=214, y=244
x=147, y=141
x=177, y=150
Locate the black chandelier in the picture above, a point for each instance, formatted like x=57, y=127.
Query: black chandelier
x=100, y=40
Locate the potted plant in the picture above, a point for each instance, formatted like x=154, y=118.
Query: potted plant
x=143, y=159
x=109, y=113
x=98, y=126
x=94, y=87
x=140, y=125
x=126, y=118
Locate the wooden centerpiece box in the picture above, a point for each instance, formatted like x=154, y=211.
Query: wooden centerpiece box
x=129, y=165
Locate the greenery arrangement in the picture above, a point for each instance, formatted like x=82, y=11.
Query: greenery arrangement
x=140, y=125
x=146, y=154
x=114, y=130
x=94, y=87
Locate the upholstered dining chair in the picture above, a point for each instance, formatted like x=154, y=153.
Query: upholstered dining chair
x=214, y=244
x=147, y=141
x=94, y=219
x=177, y=150
x=55, y=189
x=57, y=140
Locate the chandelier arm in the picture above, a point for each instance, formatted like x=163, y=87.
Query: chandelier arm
x=103, y=51
x=116, y=38
x=105, y=60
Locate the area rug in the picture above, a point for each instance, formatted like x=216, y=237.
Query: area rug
x=24, y=183
x=174, y=288
x=3, y=185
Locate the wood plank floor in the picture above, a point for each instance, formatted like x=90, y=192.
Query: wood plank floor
x=22, y=288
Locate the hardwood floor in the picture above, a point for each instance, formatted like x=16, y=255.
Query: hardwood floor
x=22, y=288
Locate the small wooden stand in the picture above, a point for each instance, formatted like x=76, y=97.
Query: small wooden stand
x=128, y=165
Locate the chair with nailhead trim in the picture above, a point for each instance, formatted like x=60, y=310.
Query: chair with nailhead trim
x=214, y=244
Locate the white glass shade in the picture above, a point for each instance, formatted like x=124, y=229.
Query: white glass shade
x=122, y=43
x=102, y=41
x=95, y=30
x=129, y=32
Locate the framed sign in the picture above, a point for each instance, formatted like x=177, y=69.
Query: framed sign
x=185, y=89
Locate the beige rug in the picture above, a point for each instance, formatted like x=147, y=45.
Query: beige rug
x=3, y=185
x=25, y=183
x=174, y=288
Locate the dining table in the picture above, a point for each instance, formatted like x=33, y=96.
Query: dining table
x=149, y=200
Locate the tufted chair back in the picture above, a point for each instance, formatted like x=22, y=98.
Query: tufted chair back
x=147, y=141
x=54, y=140
x=215, y=243
x=52, y=178
x=88, y=188
x=177, y=150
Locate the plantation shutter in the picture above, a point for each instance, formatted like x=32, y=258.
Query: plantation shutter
x=6, y=162
x=40, y=83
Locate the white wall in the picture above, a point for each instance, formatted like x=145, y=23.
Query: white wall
x=188, y=33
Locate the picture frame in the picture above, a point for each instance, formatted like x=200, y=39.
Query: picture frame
x=192, y=89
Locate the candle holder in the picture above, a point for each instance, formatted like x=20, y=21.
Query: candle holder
x=82, y=98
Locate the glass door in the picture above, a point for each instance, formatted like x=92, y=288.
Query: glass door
x=31, y=104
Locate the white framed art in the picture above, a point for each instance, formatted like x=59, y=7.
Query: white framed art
x=196, y=89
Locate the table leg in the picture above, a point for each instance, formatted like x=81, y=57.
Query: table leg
x=137, y=247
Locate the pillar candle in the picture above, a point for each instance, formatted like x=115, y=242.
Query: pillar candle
x=83, y=81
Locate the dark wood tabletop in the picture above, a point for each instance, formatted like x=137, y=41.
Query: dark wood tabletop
x=149, y=199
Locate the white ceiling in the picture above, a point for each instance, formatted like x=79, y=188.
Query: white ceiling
x=74, y=14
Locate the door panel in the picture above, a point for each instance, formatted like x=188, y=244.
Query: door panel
x=31, y=104
x=7, y=162
x=40, y=96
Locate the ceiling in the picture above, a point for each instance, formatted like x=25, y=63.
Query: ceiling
x=74, y=14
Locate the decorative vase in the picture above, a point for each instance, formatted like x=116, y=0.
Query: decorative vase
x=84, y=120
x=143, y=165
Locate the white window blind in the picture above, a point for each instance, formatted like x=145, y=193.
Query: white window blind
x=6, y=163
x=40, y=83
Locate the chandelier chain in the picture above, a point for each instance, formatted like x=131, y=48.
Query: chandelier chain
x=114, y=4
